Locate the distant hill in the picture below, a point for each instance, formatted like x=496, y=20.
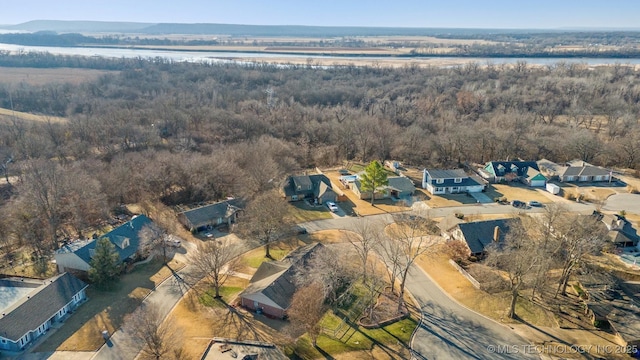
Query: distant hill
x=79, y=26
x=241, y=30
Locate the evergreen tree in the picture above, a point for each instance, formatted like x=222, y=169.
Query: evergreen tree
x=374, y=177
x=105, y=264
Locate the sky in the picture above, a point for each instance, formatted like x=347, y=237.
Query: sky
x=540, y=14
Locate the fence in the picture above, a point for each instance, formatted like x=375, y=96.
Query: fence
x=462, y=271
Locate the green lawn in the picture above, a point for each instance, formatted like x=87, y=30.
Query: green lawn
x=227, y=292
x=302, y=212
x=256, y=257
x=391, y=339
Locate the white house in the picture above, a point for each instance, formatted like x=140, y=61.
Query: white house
x=35, y=306
x=449, y=182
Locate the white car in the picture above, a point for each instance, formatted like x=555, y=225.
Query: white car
x=332, y=206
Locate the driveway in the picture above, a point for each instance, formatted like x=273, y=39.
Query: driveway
x=626, y=202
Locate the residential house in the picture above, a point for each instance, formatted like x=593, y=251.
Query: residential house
x=449, y=182
x=209, y=216
x=575, y=171
x=621, y=231
x=31, y=307
x=76, y=256
x=272, y=287
x=614, y=305
x=526, y=172
x=316, y=187
x=397, y=187
x=478, y=234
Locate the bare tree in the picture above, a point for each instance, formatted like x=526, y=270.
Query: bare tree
x=215, y=261
x=307, y=309
x=330, y=268
x=579, y=237
x=154, y=239
x=267, y=219
x=410, y=236
x=364, y=238
x=147, y=327
x=513, y=256
x=548, y=246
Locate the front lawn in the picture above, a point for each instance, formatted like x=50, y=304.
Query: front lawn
x=107, y=309
x=303, y=212
x=255, y=257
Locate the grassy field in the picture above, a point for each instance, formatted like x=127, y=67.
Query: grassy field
x=37, y=76
x=232, y=287
x=107, y=309
x=493, y=306
x=7, y=115
x=255, y=257
x=303, y=212
x=516, y=192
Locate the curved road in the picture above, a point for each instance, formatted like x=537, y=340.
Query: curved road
x=449, y=330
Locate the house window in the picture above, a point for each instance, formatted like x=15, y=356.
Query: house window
x=294, y=197
x=439, y=181
x=458, y=180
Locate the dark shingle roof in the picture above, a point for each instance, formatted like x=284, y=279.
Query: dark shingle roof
x=519, y=167
x=314, y=181
x=401, y=183
x=479, y=234
x=447, y=174
x=117, y=236
x=205, y=215
x=449, y=177
x=275, y=280
x=43, y=303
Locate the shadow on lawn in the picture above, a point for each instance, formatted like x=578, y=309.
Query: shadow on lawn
x=108, y=307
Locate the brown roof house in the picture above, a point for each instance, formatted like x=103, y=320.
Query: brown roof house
x=272, y=286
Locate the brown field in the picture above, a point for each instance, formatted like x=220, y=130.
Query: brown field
x=35, y=76
x=517, y=192
x=7, y=115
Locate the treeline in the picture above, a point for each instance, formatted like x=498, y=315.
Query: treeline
x=185, y=133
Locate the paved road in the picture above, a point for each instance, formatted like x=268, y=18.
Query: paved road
x=449, y=330
x=626, y=202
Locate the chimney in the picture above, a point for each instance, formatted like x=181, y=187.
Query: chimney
x=496, y=234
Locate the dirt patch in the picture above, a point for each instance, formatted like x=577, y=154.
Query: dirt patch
x=328, y=236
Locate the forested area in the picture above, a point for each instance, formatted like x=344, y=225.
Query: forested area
x=184, y=133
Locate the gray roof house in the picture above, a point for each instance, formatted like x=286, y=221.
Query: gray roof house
x=77, y=255
x=620, y=231
x=317, y=187
x=30, y=307
x=201, y=218
x=574, y=171
x=449, y=182
x=478, y=234
x=272, y=286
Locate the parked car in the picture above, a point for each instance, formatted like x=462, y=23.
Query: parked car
x=519, y=204
x=332, y=206
x=300, y=230
x=535, y=203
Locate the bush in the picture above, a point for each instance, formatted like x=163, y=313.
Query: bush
x=569, y=196
x=460, y=216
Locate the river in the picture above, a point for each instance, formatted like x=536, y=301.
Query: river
x=215, y=56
